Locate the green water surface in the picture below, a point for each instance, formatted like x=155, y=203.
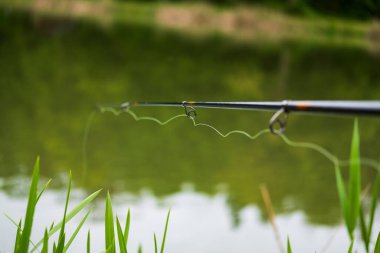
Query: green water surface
x=54, y=72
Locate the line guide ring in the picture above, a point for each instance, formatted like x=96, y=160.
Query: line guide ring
x=280, y=118
x=189, y=111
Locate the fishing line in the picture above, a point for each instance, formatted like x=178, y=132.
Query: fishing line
x=84, y=143
x=305, y=145
x=363, y=161
x=252, y=137
x=137, y=118
x=312, y=146
x=117, y=112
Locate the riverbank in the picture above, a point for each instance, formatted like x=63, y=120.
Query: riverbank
x=248, y=24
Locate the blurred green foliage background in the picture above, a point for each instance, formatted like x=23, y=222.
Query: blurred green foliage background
x=61, y=58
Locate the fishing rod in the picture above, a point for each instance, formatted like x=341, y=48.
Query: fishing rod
x=282, y=108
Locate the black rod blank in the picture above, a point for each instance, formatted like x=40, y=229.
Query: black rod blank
x=342, y=107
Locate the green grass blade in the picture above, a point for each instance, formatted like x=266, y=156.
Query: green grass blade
x=354, y=187
x=88, y=242
x=288, y=247
x=155, y=243
x=45, y=246
x=51, y=226
x=363, y=229
x=111, y=248
x=18, y=234
x=43, y=190
x=127, y=225
x=341, y=194
x=122, y=246
x=69, y=216
x=76, y=231
x=18, y=226
x=165, y=232
x=109, y=227
x=139, y=250
x=61, y=243
x=32, y=200
x=377, y=246
x=375, y=195
x=351, y=247
x=61, y=240
x=19, y=230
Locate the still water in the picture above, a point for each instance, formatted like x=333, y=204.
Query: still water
x=54, y=72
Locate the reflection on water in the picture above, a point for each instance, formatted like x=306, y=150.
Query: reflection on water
x=198, y=223
x=50, y=82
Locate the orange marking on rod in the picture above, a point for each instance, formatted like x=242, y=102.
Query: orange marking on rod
x=303, y=106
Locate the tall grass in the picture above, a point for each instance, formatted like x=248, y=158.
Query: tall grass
x=23, y=242
x=288, y=247
x=349, y=194
x=122, y=236
x=44, y=245
x=366, y=227
x=350, y=200
x=23, y=235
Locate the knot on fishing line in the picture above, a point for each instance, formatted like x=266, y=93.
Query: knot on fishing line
x=190, y=111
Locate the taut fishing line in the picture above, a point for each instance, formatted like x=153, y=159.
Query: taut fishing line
x=306, y=145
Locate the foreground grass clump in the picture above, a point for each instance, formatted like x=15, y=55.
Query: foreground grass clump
x=350, y=198
x=23, y=243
